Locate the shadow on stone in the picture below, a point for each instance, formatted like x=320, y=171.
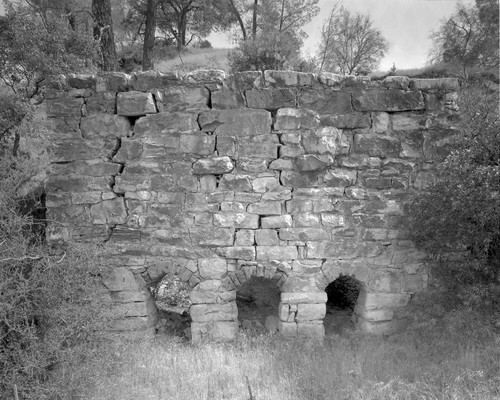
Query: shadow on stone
x=258, y=302
x=342, y=294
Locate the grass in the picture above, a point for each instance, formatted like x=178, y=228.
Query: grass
x=448, y=365
x=194, y=58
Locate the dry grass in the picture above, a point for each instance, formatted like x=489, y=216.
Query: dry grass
x=355, y=367
x=193, y=58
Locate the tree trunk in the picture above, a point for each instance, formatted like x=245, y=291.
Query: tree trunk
x=103, y=32
x=254, y=19
x=149, y=36
x=238, y=17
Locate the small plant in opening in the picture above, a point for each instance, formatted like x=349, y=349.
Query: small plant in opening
x=171, y=292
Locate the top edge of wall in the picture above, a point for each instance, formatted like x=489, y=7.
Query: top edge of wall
x=146, y=81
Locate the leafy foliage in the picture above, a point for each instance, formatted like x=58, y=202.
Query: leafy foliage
x=462, y=209
x=31, y=50
x=50, y=303
x=350, y=44
x=470, y=37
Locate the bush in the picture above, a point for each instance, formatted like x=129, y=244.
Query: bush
x=460, y=212
x=50, y=302
x=276, y=51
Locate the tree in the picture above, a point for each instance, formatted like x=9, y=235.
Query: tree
x=469, y=38
x=350, y=44
x=462, y=209
x=277, y=34
x=103, y=33
x=149, y=36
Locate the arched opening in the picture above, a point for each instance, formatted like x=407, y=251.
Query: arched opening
x=171, y=297
x=343, y=295
x=258, y=302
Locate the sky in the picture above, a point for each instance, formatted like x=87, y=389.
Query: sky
x=406, y=24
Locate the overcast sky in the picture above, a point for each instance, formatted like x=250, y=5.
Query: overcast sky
x=406, y=24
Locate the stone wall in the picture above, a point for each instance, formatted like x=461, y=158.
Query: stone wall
x=295, y=177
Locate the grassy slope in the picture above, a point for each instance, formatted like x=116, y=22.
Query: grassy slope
x=193, y=59
x=449, y=363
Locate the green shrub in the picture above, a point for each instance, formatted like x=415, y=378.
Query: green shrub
x=50, y=301
x=456, y=220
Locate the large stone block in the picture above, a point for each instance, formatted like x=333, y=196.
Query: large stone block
x=379, y=300
x=64, y=107
x=388, y=100
x=105, y=125
x=269, y=253
x=336, y=248
x=303, y=234
x=182, y=98
x=212, y=236
x=311, y=329
x=206, y=292
x=304, y=298
x=244, y=122
x=213, y=165
x=325, y=102
x=236, y=220
x=340, y=177
x=133, y=104
x=213, y=268
x=293, y=118
x=146, y=80
x=237, y=252
x=197, y=144
x=310, y=312
x=214, y=312
x=165, y=123
x=313, y=162
x=265, y=208
x=377, y=145
x=271, y=99
x=239, y=183
x=109, y=212
x=282, y=221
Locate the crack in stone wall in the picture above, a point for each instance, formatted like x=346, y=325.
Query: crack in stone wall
x=292, y=176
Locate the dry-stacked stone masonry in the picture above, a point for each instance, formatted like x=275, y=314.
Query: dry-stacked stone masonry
x=292, y=176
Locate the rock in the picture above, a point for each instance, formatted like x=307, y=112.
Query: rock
x=245, y=122
x=133, y=104
x=213, y=165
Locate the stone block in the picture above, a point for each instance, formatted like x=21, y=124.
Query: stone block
x=396, y=82
x=271, y=99
x=236, y=220
x=121, y=279
x=313, y=162
x=212, y=236
x=269, y=253
x=226, y=99
x=310, y=312
x=388, y=100
x=245, y=237
x=347, y=121
x=134, y=104
x=311, y=329
x=377, y=145
x=213, y=268
x=293, y=119
x=282, y=221
x=265, y=208
x=266, y=237
x=287, y=328
x=239, y=183
x=244, y=122
x=338, y=247
x=379, y=300
x=304, y=298
x=197, y=144
x=64, y=107
x=436, y=84
x=340, y=177
x=303, y=234
x=105, y=126
x=374, y=315
x=237, y=252
x=327, y=140
x=146, y=80
x=325, y=102
x=206, y=292
x=163, y=124
x=184, y=99
x=214, y=312
x=295, y=179
x=306, y=220
x=289, y=78
x=213, y=165
x=101, y=103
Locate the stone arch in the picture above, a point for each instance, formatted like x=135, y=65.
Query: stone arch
x=233, y=279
